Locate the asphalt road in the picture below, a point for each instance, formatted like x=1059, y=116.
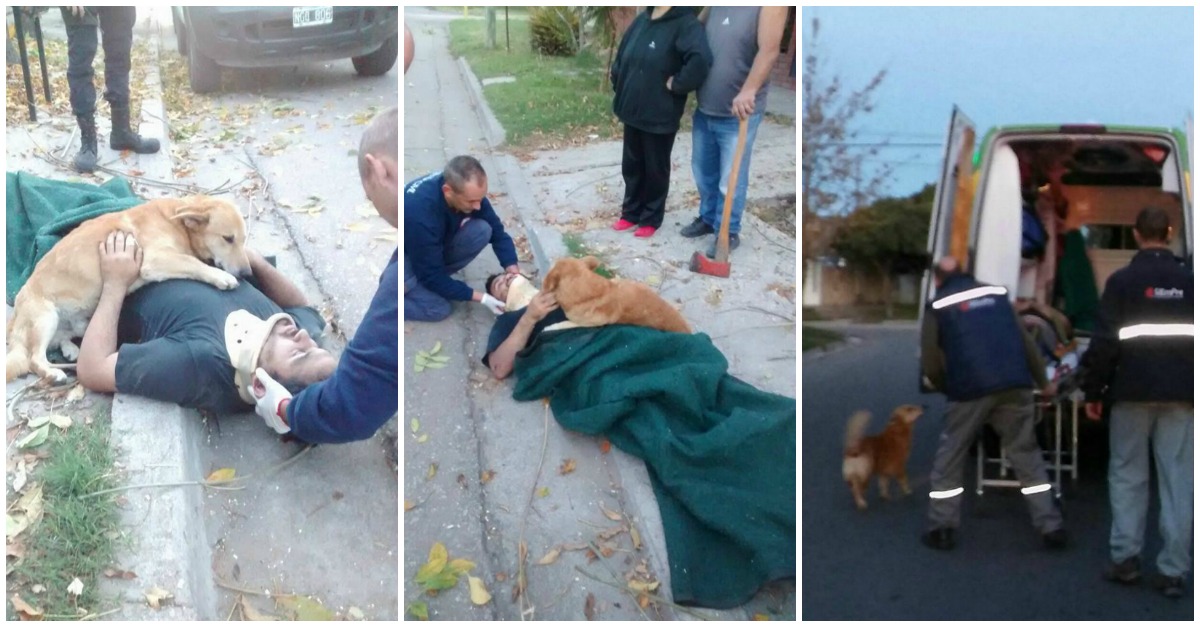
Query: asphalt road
x=871, y=565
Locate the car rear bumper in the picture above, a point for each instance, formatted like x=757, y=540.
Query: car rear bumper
x=264, y=36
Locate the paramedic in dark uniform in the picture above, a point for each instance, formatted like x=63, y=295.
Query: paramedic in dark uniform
x=1140, y=363
x=976, y=353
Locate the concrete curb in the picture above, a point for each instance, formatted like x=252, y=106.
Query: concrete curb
x=159, y=443
x=494, y=133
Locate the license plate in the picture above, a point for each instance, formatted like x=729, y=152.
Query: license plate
x=311, y=16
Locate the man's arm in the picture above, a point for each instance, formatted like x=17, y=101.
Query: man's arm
x=501, y=359
x=703, y=17
x=692, y=44
x=771, y=21
x=1100, y=361
x=120, y=265
x=273, y=284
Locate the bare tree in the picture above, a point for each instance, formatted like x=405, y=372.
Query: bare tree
x=837, y=174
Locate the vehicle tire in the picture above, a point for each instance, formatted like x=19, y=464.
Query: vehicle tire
x=204, y=74
x=180, y=35
x=379, y=62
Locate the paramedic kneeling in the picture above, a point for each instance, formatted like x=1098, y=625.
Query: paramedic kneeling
x=974, y=351
x=1140, y=361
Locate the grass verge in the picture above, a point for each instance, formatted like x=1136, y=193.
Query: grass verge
x=76, y=536
x=812, y=337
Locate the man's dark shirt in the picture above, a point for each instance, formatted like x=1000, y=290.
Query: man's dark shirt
x=171, y=342
x=506, y=322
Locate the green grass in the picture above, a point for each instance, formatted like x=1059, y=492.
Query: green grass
x=554, y=99
x=812, y=337
x=75, y=536
x=518, y=13
x=577, y=249
x=811, y=314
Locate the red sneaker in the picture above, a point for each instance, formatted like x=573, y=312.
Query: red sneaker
x=623, y=225
x=644, y=231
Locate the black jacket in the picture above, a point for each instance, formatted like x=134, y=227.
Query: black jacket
x=1142, y=347
x=973, y=345
x=673, y=46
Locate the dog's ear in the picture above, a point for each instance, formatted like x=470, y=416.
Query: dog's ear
x=591, y=262
x=192, y=221
x=193, y=213
x=551, y=281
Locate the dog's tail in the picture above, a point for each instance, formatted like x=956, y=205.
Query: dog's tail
x=855, y=427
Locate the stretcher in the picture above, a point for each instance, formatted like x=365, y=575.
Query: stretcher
x=1063, y=407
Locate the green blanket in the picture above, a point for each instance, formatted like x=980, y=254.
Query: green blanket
x=39, y=212
x=720, y=453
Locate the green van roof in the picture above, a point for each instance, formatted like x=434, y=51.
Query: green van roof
x=1179, y=134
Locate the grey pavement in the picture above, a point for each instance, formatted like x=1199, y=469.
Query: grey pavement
x=470, y=420
x=326, y=525
x=871, y=565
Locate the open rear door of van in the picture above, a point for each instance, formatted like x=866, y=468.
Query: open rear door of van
x=1188, y=223
x=950, y=220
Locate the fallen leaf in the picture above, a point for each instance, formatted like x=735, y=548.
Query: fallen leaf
x=589, y=607
x=37, y=589
x=356, y=227
x=305, y=608
x=591, y=556
x=34, y=423
x=113, y=573
x=550, y=557
x=432, y=471
x=418, y=609
x=501, y=577
x=221, y=476
x=462, y=481
x=761, y=617
x=610, y=533
x=408, y=505
x=643, y=600
x=643, y=586
x=605, y=446
x=637, y=538
x=574, y=546
x=609, y=514
x=460, y=566
x=76, y=393
x=26, y=611
x=354, y=613
x=544, y=492
x=437, y=347
x=479, y=593
x=250, y=613
x=416, y=425
x=438, y=556
x=486, y=476
x=567, y=467
x=423, y=438
x=62, y=422
x=156, y=596
x=75, y=588
x=19, y=477
x=35, y=438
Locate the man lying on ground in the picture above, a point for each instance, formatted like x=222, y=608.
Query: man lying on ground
x=189, y=343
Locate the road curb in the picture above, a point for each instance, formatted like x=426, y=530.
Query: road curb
x=493, y=132
x=159, y=442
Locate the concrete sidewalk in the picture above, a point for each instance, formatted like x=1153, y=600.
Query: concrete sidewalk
x=472, y=423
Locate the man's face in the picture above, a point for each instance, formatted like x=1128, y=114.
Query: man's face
x=470, y=198
x=500, y=286
x=290, y=354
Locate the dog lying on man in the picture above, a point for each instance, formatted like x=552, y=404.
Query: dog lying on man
x=179, y=238
x=884, y=454
x=591, y=300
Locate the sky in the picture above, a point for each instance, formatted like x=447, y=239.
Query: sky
x=1011, y=65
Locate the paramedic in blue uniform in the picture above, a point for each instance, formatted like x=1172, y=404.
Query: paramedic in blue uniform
x=1140, y=363
x=975, y=351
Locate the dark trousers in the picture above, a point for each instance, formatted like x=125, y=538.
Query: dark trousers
x=646, y=166
x=117, y=25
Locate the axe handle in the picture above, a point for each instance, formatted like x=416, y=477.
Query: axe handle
x=730, y=192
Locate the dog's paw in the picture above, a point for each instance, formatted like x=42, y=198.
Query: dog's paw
x=862, y=505
x=222, y=280
x=54, y=377
x=69, y=350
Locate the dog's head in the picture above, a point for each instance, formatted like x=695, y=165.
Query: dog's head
x=907, y=414
x=569, y=269
x=216, y=232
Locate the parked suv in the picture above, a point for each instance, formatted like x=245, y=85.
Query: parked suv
x=245, y=37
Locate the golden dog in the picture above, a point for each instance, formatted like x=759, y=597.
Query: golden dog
x=591, y=300
x=884, y=454
x=177, y=237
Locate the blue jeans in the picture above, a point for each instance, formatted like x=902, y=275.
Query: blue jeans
x=714, y=141
x=1134, y=428
x=422, y=305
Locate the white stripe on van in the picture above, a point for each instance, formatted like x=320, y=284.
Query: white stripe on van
x=1161, y=330
x=970, y=294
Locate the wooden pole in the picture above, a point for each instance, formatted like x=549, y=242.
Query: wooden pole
x=507, y=45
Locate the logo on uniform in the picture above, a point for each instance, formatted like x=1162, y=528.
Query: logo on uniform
x=652, y=45
x=725, y=23
x=976, y=303
x=1164, y=293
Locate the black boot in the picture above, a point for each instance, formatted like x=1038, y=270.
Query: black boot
x=85, y=161
x=124, y=138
